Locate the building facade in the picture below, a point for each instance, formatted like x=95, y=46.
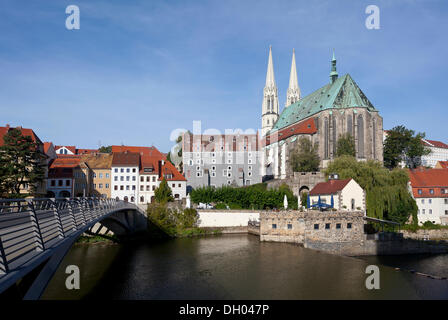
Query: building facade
x=429, y=188
x=124, y=176
x=323, y=116
x=347, y=194
x=98, y=174
x=61, y=177
x=439, y=152
x=218, y=160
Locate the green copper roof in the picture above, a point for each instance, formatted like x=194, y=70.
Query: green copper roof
x=341, y=94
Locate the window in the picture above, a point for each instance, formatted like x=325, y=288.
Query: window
x=247, y=182
x=133, y=178
x=127, y=187
x=128, y=170
x=121, y=178
x=446, y=201
x=430, y=211
x=100, y=186
x=53, y=183
x=133, y=187
x=353, y=204
x=133, y=170
x=423, y=211
x=249, y=173
x=249, y=168
x=121, y=187
x=142, y=199
x=141, y=188
x=423, y=200
x=115, y=178
x=229, y=182
x=289, y=226
x=142, y=179
x=338, y=226
x=229, y=174
x=67, y=182
x=327, y=226
x=94, y=175
x=349, y=225
x=249, y=161
x=316, y=226
x=116, y=170
x=107, y=175
x=446, y=212
x=101, y=175
x=224, y=172
x=213, y=174
x=173, y=185
x=213, y=168
x=431, y=191
x=429, y=200
x=190, y=162
x=274, y=226
x=153, y=188
x=121, y=170
x=147, y=188
x=180, y=185
x=94, y=186
x=115, y=187
x=442, y=191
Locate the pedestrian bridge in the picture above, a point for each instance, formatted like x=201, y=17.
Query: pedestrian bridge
x=35, y=235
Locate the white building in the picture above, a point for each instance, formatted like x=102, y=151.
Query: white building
x=347, y=194
x=439, y=152
x=125, y=175
x=430, y=191
x=151, y=168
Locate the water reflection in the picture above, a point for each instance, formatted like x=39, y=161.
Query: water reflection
x=236, y=267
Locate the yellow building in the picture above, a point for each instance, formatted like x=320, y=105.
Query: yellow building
x=99, y=167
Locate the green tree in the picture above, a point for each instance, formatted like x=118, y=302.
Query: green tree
x=303, y=198
x=163, y=193
x=103, y=149
x=387, y=195
x=403, y=144
x=305, y=157
x=346, y=145
x=21, y=163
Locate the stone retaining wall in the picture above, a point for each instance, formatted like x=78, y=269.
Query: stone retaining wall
x=440, y=234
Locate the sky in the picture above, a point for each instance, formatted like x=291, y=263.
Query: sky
x=136, y=71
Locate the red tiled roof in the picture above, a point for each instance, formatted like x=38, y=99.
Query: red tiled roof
x=86, y=151
x=168, y=168
x=429, y=179
x=152, y=161
x=131, y=159
x=329, y=187
x=24, y=131
x=434, y=144
x=47, y=146
x=304, y=127
x=444, y=164
x=65, y=162
x=151, y=151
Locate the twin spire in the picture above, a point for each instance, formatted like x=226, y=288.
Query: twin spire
x=293, y=93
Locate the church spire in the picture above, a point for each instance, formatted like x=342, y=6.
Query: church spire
x=270, y=108
x=293, y=93
x=270, y=79
x=333, y=73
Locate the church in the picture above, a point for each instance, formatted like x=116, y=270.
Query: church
x=337, y=108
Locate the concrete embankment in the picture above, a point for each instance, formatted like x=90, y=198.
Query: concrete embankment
x=433, y=234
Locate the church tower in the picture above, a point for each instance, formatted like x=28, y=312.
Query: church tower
x=293, y=93
x=270, y=109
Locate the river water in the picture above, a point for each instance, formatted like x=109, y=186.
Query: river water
x=240, y=267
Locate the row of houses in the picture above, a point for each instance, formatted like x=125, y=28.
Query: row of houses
x=126, y=173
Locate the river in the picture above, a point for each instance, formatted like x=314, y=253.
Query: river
x=239, y=267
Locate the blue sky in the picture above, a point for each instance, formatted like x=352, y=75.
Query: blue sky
x=136, y=70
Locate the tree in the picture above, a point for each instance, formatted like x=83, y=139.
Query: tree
x=387, y=195
x=21, y=163
x=305, y=157
x=403, y=144
x=103, y=149
x=346, y=145
x=163, y=193
x=303, y=199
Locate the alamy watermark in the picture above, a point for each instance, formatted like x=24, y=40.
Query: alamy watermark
x=373, y=280
x=72, y=282
x=73, y=20
x=373, y=20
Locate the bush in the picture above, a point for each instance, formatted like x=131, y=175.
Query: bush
x=172, y=221
x=252, y=197
x=221, y=206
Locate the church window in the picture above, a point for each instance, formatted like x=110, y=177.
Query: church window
x=334, y=136
x=326, y=149
x=349, y=125
x=360, y=137
x=374, y=138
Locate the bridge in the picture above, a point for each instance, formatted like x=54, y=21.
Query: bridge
x=36, y=234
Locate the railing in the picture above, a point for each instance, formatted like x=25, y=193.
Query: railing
x=31, y=226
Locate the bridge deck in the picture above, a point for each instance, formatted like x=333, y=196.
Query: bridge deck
x=32, y=230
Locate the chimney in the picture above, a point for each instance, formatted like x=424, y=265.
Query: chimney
x=160, y=167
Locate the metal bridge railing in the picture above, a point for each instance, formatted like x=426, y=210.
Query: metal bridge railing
x=30, y=226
